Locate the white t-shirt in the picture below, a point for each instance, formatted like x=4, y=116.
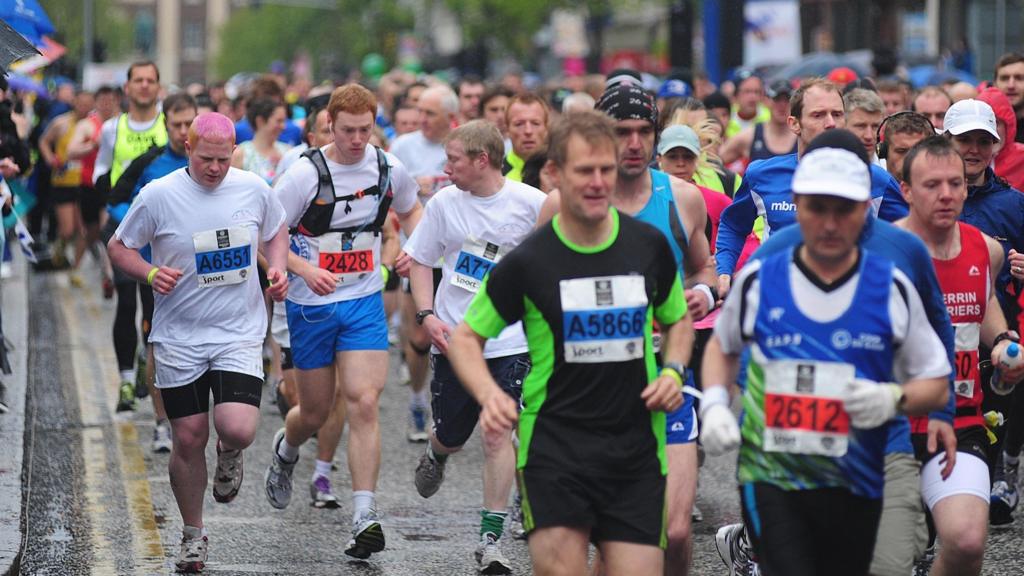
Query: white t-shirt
x=296, y=190
x=212, y=236
x=422, y=157
x=472, y=234
x=289, y=158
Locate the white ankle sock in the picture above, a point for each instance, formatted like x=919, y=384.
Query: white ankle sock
x=362, y=502
x=127, y=375
x=287, y=452
x=322, y=469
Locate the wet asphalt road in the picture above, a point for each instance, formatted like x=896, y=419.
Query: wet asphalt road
x=98, y=501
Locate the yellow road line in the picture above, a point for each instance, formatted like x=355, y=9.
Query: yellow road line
x=91, y=364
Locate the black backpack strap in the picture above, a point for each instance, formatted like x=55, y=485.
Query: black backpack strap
x=384, y=185
x=325, y=184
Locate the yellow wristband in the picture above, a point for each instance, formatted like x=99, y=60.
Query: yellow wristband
x=385, y=273
x=151, y=275
x=673, y=373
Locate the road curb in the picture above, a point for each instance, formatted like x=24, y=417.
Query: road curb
x=14, y=303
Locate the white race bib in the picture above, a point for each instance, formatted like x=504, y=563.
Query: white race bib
x=474, y=261
x=967, y=371
x=351, y=258
x=603, y=318
x=803, y=407
x=223, y=257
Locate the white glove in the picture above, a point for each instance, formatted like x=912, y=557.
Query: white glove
x=719, y=432
x=871, y=404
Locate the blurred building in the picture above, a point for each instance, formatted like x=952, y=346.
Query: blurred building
x=918, y=30
x=179, y=35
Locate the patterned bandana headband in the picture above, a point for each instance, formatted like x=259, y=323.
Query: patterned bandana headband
x=625, y=102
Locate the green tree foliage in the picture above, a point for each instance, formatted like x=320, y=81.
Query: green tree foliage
x=337, y=38
x=111, y=28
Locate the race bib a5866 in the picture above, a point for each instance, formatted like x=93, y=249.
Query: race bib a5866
x=603, y=318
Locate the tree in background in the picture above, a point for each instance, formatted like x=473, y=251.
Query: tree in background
x=337, y=38
x=113, y=32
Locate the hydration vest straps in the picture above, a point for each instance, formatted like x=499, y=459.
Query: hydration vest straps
x=317, y=219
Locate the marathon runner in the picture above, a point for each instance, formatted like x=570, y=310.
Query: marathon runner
x=122, y=139
x=85, y=146
x=472, y=225
x=820, y=382
x=316, y=134
x=677, y=209
x=586, y=286
x=66, y=177
x=336, y=203
x=902, y=535
x=967, y=262
x=209, y=317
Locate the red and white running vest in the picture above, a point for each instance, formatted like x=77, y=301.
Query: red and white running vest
x=966, y=286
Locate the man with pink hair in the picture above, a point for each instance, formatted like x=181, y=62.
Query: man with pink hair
x=204, y=224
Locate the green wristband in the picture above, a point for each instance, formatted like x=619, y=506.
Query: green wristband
x=151, y=275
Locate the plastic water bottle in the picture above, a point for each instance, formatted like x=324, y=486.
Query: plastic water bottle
x=1011, y=359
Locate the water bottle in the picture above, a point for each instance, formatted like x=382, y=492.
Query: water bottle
x=1011, y=359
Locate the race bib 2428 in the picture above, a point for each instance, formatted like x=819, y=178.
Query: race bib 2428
x=603, y=318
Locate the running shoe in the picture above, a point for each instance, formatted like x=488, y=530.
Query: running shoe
x=429, y=475
x=228, y=477
x=322, y=494
x=923, y=565
x=367, y=536
x=418, y=425
x=489, y=558
x=192, y=556
x=162, y=438
x=696, y=515
x=735, y=551
x=278, y=478
x=126, y=397
x=1002, y=503
x=76, y=280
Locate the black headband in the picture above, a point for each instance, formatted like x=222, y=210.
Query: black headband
x=628, y=103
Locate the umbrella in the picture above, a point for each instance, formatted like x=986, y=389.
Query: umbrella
x=13, y=47
x=28, y=18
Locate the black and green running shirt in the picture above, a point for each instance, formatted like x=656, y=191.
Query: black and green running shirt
x=587, y=314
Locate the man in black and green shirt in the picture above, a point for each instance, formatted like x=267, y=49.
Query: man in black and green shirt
x=592, y=432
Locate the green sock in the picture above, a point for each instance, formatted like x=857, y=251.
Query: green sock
x=439, y=458
x=492, y=521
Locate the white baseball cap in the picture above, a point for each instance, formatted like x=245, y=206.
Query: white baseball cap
x=970, y=114
x=679, y=136
x=833, y=172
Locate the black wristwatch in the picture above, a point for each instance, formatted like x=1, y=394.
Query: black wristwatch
x=422, y=315
x=1010, y=335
